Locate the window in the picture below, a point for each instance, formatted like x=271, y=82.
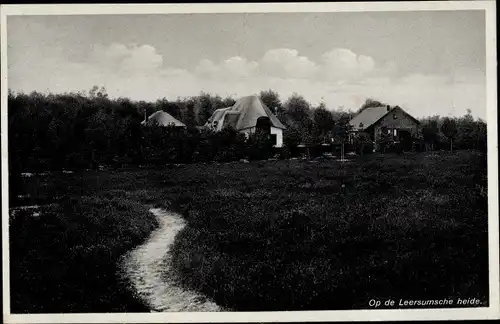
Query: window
x=394, y=116
x=395, y=132
x=388, y=131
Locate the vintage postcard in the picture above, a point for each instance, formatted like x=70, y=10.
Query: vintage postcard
x=272, y=162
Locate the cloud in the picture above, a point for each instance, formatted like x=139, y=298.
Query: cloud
x=342, y=78
x=207, y=68
x=344, y=64
x=128, y=58
x=287, y=63
x=238, y=67
x=281, y=63
x=232, y=68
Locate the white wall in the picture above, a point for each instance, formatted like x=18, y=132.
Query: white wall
x=279, y=136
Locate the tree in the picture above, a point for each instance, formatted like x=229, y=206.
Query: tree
x=481, y=133
x=170, y=107
x=99, y=135
x=467, y=131
x=308, y=141
x=323, y=122
x=341, y=132
x=146, y=108
x=228, y=102
x=98, y=92
x=430, y=132
x=291, y=139
x=298, y=111
x=370, y=103
x=449, y=129
x=188, y=111
x=272, y=100
x=202, y=109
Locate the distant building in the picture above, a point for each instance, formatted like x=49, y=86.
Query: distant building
x=248, y=115
x=164, y=119
x=391, y=122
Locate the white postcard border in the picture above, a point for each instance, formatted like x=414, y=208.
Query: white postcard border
x=491, y=312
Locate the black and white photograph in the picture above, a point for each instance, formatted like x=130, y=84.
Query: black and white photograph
x=282, y=161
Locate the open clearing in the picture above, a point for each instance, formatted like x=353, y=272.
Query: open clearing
x=270, y=235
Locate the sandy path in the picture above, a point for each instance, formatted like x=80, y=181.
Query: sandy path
x=145, y=265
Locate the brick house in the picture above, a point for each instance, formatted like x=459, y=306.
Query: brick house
x=391, y=123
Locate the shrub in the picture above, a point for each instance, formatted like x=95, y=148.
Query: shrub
x=283, y=153
x=259, y=147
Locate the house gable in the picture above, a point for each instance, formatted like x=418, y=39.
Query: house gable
x=397, y=118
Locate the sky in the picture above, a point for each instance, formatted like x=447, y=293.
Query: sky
x=427, y=62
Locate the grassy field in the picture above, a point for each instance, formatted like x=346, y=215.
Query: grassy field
x=296, y=235
x=66, y=260
x=271, y=235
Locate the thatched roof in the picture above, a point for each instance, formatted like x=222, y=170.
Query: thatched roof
x=163, y=119
x=242, y=115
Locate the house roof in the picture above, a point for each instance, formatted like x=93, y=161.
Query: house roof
x=368, y=117
x=163, y=119
x=372, y=115
x=243, y=114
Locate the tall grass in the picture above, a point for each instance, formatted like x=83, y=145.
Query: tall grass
x=66, y=260
x=296, y=236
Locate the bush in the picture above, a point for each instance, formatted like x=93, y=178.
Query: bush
x=283, y=153
x=259, y=147
x=363, y=143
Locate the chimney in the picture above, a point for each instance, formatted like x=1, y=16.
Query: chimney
x=145, y=116
x=388, y=108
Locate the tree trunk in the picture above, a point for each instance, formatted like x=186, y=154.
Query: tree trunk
x=451, y=145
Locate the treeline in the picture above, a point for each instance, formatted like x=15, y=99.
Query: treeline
x=87, y=130
x=445, y=133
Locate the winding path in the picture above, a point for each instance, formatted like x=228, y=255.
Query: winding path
x=145, y=267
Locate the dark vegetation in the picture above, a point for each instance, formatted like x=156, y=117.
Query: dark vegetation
x=294, y=235
x=66, y=258
x=258, y=232
x=78, y=131
x=264, y=235
x=86, y=130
